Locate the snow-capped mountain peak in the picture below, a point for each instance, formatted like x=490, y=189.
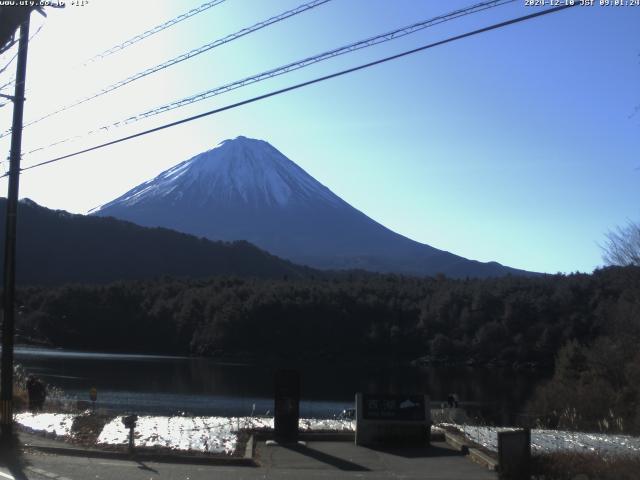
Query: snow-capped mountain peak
x=245, y=189
x=239, y=169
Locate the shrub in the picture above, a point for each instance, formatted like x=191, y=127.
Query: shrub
x=584, y=466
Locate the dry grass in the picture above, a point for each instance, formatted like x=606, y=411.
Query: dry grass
x=585, y=466
x=86, y=428
x=20, y=398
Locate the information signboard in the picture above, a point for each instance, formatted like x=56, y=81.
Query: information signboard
x=383, y=419
x=393, y=407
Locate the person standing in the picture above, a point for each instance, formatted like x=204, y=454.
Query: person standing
x=37, y=393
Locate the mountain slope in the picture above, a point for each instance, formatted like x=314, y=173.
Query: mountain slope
x=245, y=189
x=57, y=247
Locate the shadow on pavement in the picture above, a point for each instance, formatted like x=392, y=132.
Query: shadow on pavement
x=417, y=452
x=145, y=467
x=332, y=460
x=11, y=458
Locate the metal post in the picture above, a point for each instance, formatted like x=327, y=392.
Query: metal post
x=131, y=435
x=8, y=297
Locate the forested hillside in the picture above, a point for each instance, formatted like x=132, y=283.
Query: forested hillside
x=56, y=247
x=588, y=325
x=506, y=321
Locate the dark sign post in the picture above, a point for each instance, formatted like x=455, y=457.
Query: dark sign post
x=93, y=395
x=287, y=405
x=130, y=423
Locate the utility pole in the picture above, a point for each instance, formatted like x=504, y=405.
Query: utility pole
x=8, y=293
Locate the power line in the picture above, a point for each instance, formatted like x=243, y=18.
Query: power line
x=368, y=42
x=180, y=58
x=8, y=84
x=2, y=70
x=126, y=43
x=7, y=46
x=154, y=30
x=15, y=55
x=385, y=37
x=13, y=80
x=305, y=84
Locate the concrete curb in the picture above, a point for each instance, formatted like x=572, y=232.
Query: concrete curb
x=328, y=436
x=246, y=460
x=248, y=449
x=456, y=442
x=313, y=436
x=482, y=458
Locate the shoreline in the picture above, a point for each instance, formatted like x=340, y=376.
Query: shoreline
x=227, y=436
x=247, y=359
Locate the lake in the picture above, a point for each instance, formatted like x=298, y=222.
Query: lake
x=200, y=386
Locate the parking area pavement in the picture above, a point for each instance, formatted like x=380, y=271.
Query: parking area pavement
x=346, y=460
x=313, y=460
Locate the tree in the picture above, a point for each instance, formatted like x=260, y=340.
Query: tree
x=623, y=246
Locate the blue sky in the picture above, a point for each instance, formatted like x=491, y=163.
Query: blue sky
x=518, y=145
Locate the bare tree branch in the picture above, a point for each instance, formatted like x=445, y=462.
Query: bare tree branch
x=623, y=245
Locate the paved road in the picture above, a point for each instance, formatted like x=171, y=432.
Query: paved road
x=317, y=460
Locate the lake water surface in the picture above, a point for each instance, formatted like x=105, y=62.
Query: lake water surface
x=200, y=386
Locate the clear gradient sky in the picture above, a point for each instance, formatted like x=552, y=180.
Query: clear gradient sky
x=519, y=145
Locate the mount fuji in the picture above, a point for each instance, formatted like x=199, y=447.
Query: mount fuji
x=245, y=189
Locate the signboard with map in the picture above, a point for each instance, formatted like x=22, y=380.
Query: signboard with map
x=384, y=419
x=393, y=407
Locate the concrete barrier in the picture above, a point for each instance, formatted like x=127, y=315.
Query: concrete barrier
x=482, y=458
x=456, y=441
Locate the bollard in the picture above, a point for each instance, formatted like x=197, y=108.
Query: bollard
x=514, y=454
x=130, y=423
x=287, y=405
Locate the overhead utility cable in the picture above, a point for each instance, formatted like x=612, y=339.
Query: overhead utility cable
x=369, y=42
x=137, y=38
x=15, y=55
x=154, y=30
x=303, y=84
x=8, y=84
x=385, y=37
x=181, y=58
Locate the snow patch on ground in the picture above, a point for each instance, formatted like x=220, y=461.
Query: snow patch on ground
x=546, y=441
x=202, y=434
x=52, y=423
x=220, y=434
x=326, y=424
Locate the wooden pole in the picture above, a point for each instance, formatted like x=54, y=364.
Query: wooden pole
x=8, y=292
